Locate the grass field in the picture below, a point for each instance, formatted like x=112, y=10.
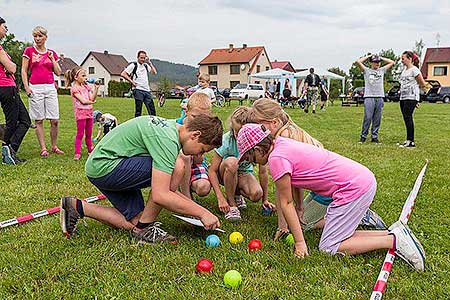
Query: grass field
x=37, y=262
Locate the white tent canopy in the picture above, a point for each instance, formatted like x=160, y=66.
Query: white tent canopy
x=328, y=75
x=273, y=74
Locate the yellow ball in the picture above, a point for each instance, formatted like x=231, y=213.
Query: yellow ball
x=236, y=238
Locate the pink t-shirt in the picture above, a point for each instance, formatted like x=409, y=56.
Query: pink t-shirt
x=321, y=171
x=80, y=110
x=41, y=67
x=6, y=79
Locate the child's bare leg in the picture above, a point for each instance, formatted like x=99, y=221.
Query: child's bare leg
x=201, y=187
x=181, y=175
x=250, y=187
x=229, y=172
x=364, y=242
x=319, y=224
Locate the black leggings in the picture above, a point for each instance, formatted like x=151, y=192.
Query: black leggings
x=16, y=115
x=407, y=107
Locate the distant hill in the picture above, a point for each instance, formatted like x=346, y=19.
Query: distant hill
x=177, y=73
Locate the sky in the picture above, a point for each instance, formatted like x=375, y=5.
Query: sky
x=321, y=34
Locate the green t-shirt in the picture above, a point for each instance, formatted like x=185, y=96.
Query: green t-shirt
x=229, y=148
x=141, y=136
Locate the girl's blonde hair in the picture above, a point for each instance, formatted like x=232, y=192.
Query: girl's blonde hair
x=199, y=101
x=266, y=110
x=240, y=117
x=71, y=74
x=204, y=76
x=39, y=30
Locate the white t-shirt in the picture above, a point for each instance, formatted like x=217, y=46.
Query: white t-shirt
x=108, y=121
x=208, y=91
x=141, y=77
x=409, y=88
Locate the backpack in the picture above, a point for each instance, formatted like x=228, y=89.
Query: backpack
x=133, y=73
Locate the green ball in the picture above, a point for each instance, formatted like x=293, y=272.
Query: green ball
x=232, y=278
x=290, y=240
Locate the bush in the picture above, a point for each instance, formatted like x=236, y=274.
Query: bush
x=117, y=89
x=63, y=91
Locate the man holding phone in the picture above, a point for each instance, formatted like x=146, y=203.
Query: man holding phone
x=137, y=74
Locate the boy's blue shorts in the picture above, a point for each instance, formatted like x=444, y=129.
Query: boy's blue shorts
x=122, y=186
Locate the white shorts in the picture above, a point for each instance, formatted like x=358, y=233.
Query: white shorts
x=43, y=103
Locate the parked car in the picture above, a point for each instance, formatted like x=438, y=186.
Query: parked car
x=358, y=95
x=439, y=93
x=176, y=93
x=225, y=92
x=393, y=94
x=247, y=91
x=191, y=90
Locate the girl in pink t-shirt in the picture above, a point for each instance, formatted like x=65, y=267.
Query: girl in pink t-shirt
x=351, y=186
x=82, y=99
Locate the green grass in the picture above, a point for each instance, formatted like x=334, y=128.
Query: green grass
x=37, y=262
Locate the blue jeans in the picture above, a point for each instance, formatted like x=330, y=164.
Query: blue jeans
x=373, y=108
x=141, y=96
x=122, y=186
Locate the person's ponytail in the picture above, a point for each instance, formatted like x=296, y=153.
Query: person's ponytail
x=70, y=75
x=414, y=58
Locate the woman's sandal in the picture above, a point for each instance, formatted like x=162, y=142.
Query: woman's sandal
x=280, y=233
x=44, y=153
x=56, y=150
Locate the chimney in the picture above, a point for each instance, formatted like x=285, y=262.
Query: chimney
x=230, y=47
x=105, y=52
x=244, y=46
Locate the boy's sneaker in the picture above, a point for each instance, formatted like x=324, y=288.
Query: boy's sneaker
x=407, y=144
x=7, y=157
x=233, y=214
x=375, y=140
x=371, y=219
x=68, y=216
x=240, y=202
x=362, y=140
x=153, y=234
x=408, y=246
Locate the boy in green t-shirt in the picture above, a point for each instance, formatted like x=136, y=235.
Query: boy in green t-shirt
x=137, y=154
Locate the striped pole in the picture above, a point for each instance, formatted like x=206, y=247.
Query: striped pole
x=45, y=212
x=380, y=285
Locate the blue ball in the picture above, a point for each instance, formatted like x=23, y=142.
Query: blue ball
x=266, y=211
x=212, y=241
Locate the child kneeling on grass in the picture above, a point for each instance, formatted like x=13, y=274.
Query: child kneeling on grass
x=351, y=186
x=137, y=154
x=106, y=123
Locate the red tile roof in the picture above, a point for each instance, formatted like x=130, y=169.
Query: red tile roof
x=285, y=65
x=235, y=55
x=66, y=63
x=113, y=63
x=435, y=55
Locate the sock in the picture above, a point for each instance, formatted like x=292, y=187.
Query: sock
x=79, y=207
x=141, y=225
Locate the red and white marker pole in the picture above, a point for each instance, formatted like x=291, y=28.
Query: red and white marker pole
x=46, y=212
x=380, y=285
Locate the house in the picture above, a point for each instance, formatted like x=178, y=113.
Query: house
x=284, y=65
x=66, y=63
x=231, y=66
x=436, y=65
x=105, y=67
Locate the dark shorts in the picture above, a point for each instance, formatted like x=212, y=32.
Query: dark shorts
x=123, y=185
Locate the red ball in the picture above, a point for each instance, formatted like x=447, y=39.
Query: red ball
x=204, y=265
x=254, y=245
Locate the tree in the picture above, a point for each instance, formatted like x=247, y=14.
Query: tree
x=338, y=71
x=164, y=85
x=15, y=49
x=336, y=85
x=391, y=74
x=418, y=47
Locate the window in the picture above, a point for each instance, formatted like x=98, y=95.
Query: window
x=212, y=70
x=440, y=71
x=121, y=79
x=255, y=87
x=257, y=81
x=234, y=83
x=213, y=83
x=234, y=69
x=102, y=81
x=91, y=70
x=267, y=68
x=258, y=68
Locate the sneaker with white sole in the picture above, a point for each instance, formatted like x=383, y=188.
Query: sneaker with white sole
x=7, y=157
x=408, y=246
x=240, y=202
x=373, y=220
x=407, y=144
x=69, y=216
x=153, y=234
x=233, y=214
